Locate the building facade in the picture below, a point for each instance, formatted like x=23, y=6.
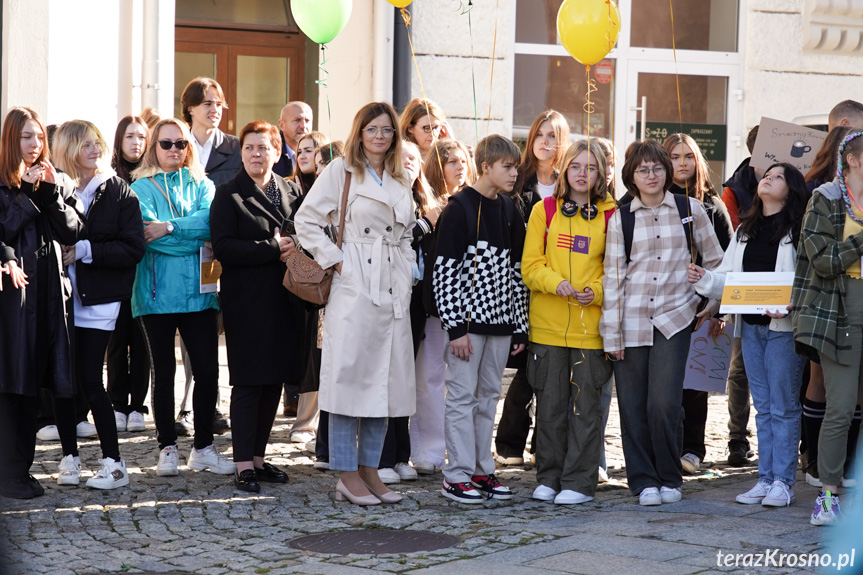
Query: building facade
x=491, y=64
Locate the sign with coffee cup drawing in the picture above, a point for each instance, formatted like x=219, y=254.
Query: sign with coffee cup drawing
x=780, y=141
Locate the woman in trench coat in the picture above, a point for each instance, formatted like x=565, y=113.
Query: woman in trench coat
x=367, y=365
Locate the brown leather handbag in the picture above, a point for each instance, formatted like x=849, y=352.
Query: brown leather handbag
x=303, y=276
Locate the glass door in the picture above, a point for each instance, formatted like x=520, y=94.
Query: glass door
x=259, y=71
x=706, y=109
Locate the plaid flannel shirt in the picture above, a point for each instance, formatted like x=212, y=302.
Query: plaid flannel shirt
x=652, y=290
x=818, y=310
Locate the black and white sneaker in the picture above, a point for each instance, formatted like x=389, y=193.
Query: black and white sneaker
x=489, y=486
x=461, y=492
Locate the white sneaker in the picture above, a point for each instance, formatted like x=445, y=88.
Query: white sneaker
x=812, y=480
x=168, y=465
x=543, y=493
x=670, y=494
x=570, y=497
x=848, y=482
x=322, y=465
x=302, y=437
x=111, y=475
x=136, y=422
x=48, y=433
x=120, y=418
x=70, y=470
x=756, y=494
x=515, y=460
x=210, y=459
x=780, y=495
x=424, y=467
x=826, y=510
x=85, y=430
x=691, y=463
x=650, y=496
x=405, y=471
x=603, y=475
x=388, y=475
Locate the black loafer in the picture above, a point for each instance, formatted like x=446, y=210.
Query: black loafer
x=17, y=489
x=246, y=480
x=35, y=486
x=271, y=474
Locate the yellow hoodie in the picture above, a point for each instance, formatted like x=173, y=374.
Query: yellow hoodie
x=575, y=252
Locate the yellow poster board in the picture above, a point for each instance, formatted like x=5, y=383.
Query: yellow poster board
x=756, y=292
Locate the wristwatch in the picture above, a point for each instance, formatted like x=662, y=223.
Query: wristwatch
x=170, y=227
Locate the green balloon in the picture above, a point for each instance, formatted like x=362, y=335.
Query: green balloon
x=321, y=20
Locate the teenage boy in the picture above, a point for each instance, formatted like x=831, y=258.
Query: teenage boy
x=482, y=302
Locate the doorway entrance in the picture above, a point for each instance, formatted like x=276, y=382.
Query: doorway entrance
x=259, y=71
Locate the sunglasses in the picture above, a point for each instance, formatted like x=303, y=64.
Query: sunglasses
x=168, y=144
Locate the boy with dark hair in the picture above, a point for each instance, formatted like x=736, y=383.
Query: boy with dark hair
x=482, y=302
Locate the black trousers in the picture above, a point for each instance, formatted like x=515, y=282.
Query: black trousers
x=199, y=331
x=515, y=420
x=322, y=438
x=128, y=364
x=253, y=410
x=694, y=422
x=17, y=435
x=90, y=356
x=397, y=443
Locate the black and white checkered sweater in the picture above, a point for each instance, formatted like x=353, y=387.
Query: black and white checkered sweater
x=477, y=273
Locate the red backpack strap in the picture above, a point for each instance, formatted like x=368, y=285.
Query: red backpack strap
x=608, y=215
x=550, y=206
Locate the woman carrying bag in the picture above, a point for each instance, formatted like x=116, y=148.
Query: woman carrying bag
x=367, y=365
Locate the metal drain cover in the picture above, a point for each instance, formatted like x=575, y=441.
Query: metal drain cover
x=373, y=542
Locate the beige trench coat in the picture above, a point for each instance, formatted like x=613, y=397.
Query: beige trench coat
x=367, y=363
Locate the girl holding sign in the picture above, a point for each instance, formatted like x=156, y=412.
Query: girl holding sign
x=765, y=242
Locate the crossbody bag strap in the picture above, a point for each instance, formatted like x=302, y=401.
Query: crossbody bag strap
x=344, y=207
x=170, y=203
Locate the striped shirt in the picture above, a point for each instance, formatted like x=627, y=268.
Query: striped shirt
x=652, y=291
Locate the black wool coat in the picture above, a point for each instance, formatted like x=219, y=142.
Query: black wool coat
x=23, y=211
x=264, y=322
x=224, y=162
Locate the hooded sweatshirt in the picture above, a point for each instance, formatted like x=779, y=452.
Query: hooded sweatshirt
x=573, y=250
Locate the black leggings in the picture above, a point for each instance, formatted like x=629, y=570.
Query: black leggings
x=199, y=331
x=90, y=357
x=253, y=409
x=128, y=364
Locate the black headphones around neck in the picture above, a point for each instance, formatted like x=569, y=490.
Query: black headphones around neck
x=588, y=211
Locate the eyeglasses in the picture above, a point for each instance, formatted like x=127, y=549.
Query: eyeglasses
x=373, y=131
x=91, y=147
x=430, y=129
x=168, y=144
x=656, y=171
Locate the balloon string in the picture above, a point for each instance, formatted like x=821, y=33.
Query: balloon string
x=491, y=81
x=688, y=227
x=406, y=16
x=323, y=83
x=472, y=68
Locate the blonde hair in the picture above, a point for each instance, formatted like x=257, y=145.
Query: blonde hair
x=68, y=143
x=150, y=162
x=600, y=186
x=436, y=160
x=354, y=154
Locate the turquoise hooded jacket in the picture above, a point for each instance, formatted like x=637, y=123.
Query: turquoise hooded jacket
x=168, y=278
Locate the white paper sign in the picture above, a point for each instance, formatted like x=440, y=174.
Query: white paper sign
x=709, y=359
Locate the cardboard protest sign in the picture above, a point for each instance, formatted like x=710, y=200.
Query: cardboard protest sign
x=780, y=141
x=709, y=359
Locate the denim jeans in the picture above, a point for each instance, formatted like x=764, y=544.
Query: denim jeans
x=774, y=373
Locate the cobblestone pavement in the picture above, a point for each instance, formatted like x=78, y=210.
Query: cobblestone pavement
x=198, y=523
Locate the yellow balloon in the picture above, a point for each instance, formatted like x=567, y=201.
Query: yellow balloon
x=588, y=29
x=400, y=3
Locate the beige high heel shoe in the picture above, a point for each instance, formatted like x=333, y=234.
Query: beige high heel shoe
x=388, y=497
x=343, y=494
